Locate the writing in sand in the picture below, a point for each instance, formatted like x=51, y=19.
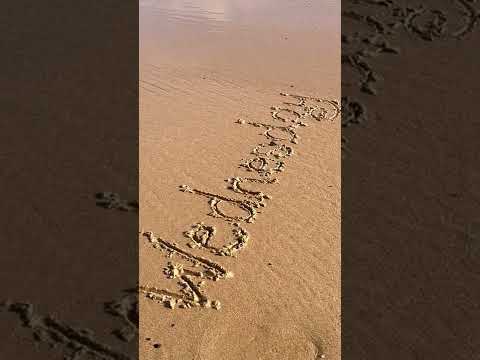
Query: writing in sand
x=191, y=267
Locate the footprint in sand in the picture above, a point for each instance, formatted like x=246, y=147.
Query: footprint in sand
x=266, y=339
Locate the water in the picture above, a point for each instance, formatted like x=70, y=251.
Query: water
x=296, y=41
x=217, y=14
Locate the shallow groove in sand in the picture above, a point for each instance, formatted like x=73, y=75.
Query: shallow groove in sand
x=193, y=271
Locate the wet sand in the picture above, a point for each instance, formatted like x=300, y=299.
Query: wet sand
x=68, y=84
x=410, y=252
x=212, y=117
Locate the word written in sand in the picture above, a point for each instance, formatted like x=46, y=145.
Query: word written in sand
x=375, y=30
x=372, y=35
x=79, y=343
x=192, y=271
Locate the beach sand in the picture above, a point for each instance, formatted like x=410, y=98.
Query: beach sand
x=210, y=72
x=67, y=86
x=410, y=253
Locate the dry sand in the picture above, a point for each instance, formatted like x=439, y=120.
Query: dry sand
x=203, y=67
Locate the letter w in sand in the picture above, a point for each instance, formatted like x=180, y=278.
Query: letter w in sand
x=191, y=277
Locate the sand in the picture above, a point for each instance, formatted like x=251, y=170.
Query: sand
x=409, y=255
x=67, y=85
x=239, y=191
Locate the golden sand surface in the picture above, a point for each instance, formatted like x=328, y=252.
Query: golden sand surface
x=239, y=179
